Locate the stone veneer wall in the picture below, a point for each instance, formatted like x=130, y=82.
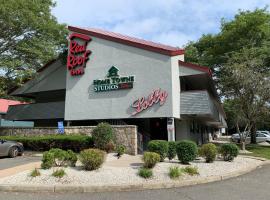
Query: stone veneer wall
x=125, y=134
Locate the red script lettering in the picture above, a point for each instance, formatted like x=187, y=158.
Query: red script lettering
x=157, y=96
x=78, y=55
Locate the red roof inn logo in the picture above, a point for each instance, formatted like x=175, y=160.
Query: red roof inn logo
x=78, y=55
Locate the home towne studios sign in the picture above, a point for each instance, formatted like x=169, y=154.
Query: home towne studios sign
x=113, y=81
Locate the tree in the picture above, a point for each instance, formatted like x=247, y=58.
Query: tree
x=247, y=33
x=30, y=36
x=246, y=80
x=248, y=28
x=236, y=119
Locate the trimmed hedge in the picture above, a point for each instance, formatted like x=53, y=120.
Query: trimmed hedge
x=92, y=159
x=229, y=151
x=44, y=143
x=171, y=150
x=209, y=152
x=160, y=147
x=186, y=151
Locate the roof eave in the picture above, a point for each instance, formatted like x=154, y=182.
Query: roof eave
x=128, y=42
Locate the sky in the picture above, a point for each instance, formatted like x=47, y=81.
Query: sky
x=171, y=22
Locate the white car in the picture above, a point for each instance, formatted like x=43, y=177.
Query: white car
x=260, y=137
x=265, y=132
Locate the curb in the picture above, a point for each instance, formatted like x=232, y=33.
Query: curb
x=132, y=187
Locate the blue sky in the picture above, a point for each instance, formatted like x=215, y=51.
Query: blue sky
x=172, y=22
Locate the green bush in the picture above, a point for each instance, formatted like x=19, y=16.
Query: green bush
x=120, y=150
x=229, y=151
x=186, y=151
x=209, y=152
x=175, y=172
x=45, y=143
x=35, y=173
x=191, y=170
x=103, y=136
x=171, y=150
x=59, y=173
x=72, y=158
x=92, y=159
x=150, y=159
x=58, y=158
x=145, y=173
x=47, y=160
x=160, y=147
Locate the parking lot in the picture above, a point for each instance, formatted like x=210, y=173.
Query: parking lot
x=6, y=162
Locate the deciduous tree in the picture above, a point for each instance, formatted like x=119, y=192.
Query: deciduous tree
x=30, y=36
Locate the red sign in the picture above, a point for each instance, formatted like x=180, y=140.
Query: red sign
x=78, y=55
x=157, y=96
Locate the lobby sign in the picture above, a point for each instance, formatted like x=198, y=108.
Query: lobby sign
x=113, y=81
x=78, y=55
x=143, y=103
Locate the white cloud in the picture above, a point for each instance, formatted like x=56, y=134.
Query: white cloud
x=173, y=38
x=171, y=22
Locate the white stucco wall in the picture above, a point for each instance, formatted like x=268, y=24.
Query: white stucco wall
x=176, y=85
x=151, y=71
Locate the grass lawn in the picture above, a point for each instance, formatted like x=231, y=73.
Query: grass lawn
x=259, y=151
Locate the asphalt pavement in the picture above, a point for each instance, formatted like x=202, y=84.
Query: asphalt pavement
x=6, y=162
x=252, y=186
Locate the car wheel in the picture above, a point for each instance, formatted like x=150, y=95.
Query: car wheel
x=238, y=141
x=13, y=152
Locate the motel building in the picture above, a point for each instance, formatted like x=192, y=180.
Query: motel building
x=109, y=77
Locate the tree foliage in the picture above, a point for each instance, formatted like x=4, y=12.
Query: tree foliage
x=247, y=29
x=246, y=80
x=30, y=36
x=239, y=56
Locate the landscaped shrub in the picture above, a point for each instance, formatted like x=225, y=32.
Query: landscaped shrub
x=229, y=151
x=145, y=173
x=209, y=151
x=58, y=158
x=59, y=173
x=186, y=151
x=35, y=173
x=72, y=158
x=47, y=160
x=191, y=170
x=175, y=172
x=45, y=143
x=150, y=159
x=160, y=147
x=120, y=150
x=92, y=159
x=103, y=137
x=109, y=147
x=171, y=150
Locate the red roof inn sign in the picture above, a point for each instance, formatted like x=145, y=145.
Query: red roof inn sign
x=78, y=55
